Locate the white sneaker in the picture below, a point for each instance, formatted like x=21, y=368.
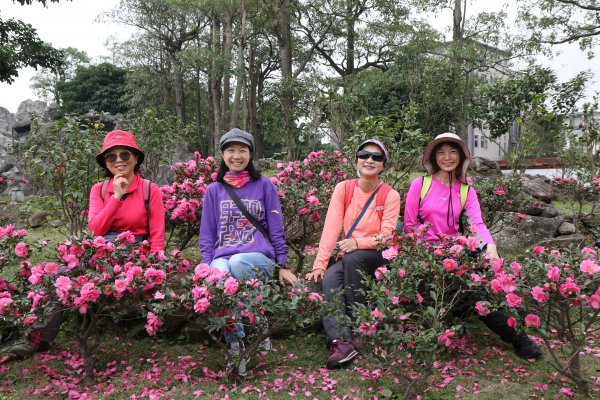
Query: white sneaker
x=234, y=350
x=266, y=347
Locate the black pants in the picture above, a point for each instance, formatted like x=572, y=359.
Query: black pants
x=497, y=323
x=347, y=274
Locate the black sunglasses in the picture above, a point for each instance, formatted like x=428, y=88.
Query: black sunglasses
x=112, y=157
x=364, y=155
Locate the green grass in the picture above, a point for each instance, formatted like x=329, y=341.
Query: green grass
x=568, y=209
x=486, y=364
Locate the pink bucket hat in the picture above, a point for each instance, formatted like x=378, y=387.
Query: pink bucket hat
x=442, y=138
x=119, y=138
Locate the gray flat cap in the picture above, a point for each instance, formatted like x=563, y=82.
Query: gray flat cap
x=239, y=136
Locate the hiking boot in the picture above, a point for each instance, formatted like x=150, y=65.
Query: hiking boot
x=234, y=350
x=265, y=347
x=340, y=353
x=525, y=348
x=25, y=349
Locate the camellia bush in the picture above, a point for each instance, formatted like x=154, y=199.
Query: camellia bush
x=305, y=188
x=498, y=196
x=94, y=279
x=183, y=198
x=218, y=302
x=556, y=295
x=14, y=267
x=417, y=301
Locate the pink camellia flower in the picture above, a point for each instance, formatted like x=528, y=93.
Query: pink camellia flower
x=472, y=243
x=500, y=191
x=512, y=322
x=202, y=305
x=231, y=286
x=71, y=260
x=63, y=283
x=419, y=298
x=304, y=211
x=21, y=250
x=521, y=216
x=539, y=294
x=554, y=273
x=569, y=288
x=533, y=320
x=401, y=272
x=367, y=329
x=380, y=272
x=538, y=249
x=588, y=251
x=315, y=297
x=377, y=314
x=314, y=217
x=5, y=302
x=312, y=200
x=594, y=300
x=390, y=253
x=450, y=265
x=513, y=300
x=515, y=266
x=120, y=285
x=152, y=324
x=29, y=320
x=589, y=266
x=446, y=337
x=51, y=268
x=482, y=309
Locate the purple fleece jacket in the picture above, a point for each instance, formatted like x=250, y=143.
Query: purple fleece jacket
x=224, y=231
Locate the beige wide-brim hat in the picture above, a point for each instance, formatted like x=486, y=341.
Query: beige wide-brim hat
x=442, y=138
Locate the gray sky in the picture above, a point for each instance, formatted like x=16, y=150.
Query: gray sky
x=73, y=24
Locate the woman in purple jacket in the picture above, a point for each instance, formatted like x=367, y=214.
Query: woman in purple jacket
x=447, y=160
x=231, y=242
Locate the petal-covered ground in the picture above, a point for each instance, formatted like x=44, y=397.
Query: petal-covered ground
x=475, y=367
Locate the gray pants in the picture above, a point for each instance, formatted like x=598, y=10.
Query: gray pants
x=49, y=328
x=347, y=274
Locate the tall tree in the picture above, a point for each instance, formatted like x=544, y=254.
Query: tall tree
x=562, y=21
x=46, y=81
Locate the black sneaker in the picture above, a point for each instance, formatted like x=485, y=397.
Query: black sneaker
x=340, y=353
x=525, y=348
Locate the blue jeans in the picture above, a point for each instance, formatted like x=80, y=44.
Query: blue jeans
x=244, y=266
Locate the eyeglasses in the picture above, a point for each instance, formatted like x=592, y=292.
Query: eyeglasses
x=112, y=157
x=364, y=155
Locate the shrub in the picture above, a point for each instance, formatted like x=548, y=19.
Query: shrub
x=554, y=293
x=184, y=197
x=305, y=188
x=416, y=302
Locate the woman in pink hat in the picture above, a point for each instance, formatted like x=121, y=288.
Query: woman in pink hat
x=126, y=201
x=441, y=204
x=365, y=209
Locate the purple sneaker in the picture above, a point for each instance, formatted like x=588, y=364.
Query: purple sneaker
x=340, y=353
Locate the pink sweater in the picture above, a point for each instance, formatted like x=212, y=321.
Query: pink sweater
x=129, y=214
x=368, y=227
x=434, y=210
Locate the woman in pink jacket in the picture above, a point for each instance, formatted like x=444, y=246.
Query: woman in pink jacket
x=358, y=254
x=446, y=160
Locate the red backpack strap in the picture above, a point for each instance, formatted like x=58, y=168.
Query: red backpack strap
x=380, y=199
x=103, y=190
x=349, y=191
x=146, y=186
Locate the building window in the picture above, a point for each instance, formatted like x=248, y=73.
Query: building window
x=484, y=142
x=475, y=140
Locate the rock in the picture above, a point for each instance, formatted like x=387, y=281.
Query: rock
x=55, y=223
x=37, y=219
x=564, y=241
x=538, y=188
x=528, y=232
x=7, y=121
x=566, y=228
x=485, y=167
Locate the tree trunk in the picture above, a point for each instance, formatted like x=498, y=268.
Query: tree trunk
x=253, y=77
x=215, y=87
x=240, y=70
x=179, y=93
x=198, y=115
x=227, y=46
x=284, y=42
